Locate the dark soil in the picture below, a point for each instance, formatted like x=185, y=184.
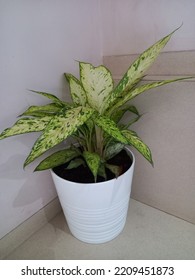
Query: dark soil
x=82, y=174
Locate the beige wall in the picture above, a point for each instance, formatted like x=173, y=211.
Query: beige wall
x=168, y=127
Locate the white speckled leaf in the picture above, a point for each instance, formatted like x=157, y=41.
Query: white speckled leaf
x=76, y=90
x=133, y=93
x=50, y=96
x=57, y=159
x=110, y=128
x=93, y=162
x=26, y=125
x=118, y=114
x=98, y=85
x=42, y=110
x=137, y=143
x=58, y=129
x=139, y=66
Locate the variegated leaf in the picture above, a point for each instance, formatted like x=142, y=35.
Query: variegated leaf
x=132, y=94
x=76, y=162
x=48, y=95
x=118, y=114
x=112, y=150
x=58, y=129
x=137, y=143
x=110, y=127
x=102, y=170
x=132, y=121
x=57, y=159
x=98, y=85
x=42, y=110
x=117, y=170
x=26, y=125
x=53, y=97
x=93, y=162
x=90, y=125
x=77, y=91
x=139, y=66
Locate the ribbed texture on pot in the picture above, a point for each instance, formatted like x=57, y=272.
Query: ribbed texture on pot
x=97, y=226
x=96, y=213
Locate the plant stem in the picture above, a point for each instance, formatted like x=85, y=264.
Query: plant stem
x=99, y=140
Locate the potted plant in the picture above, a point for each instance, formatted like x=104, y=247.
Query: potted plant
x=93, y=175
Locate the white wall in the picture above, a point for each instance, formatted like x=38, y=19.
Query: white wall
x=40, y=40
x=130, y=26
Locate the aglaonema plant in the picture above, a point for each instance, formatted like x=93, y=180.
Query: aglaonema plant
x=92, y=119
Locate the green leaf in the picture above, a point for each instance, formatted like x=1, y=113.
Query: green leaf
x=26, y=125
x=117, y=170
x=58, y=129
x=57, y=159
x=98, y=85
x=139, y=66
x=48, y=109
x=125, y=126
x=137, y=143
x=118, y=114
x=110, y=128
x=90, y=125
x=131, y=108
x=77, y=91
x=112, y=150
x=48, y=95
x=102, y=170
x=75, y=163
x=53, y=97
x=135, y=92
x=93, y=162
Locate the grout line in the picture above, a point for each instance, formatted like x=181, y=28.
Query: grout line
x=162, y=77
x=175, y=216
x=137, y=54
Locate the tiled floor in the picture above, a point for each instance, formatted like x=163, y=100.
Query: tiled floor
x=148, y=234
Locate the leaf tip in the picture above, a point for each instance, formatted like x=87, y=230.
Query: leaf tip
x=36, y=169
x=24, y=166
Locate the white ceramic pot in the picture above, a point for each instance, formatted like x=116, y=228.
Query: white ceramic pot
x=96, y=212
